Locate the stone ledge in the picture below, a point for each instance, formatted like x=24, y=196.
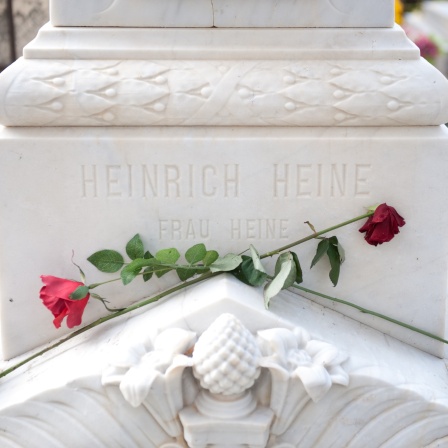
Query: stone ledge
x=218, y=44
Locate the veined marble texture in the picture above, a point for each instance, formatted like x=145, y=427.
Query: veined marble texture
x=223, y=13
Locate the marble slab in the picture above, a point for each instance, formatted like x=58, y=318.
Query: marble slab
x=223, y=13
x=89, y=189
x=88, y=43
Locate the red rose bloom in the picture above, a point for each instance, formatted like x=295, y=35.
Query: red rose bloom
x=56, y=297
x=383, y=225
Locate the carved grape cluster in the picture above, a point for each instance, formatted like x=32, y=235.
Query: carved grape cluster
x=226, y=357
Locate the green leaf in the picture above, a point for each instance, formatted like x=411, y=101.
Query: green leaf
x=131, y=271
x=227, y=263
x=336, y=259
x=285, y=274
x=256, y=259
x=148, y=255
x=210, y=257
x=322, y=248
x=335, y=263
x=79, y=293
x=251, y=270
x=134, y=248
x=250, y=274
x=162, y=272
x=186, y=273
x=196, y=253
x=107, y=260
x=147, y=274
x=238, y=272
x=299, y=273
x=286, y=257
x=154, y=266
x=168, y=256
x=341, y=252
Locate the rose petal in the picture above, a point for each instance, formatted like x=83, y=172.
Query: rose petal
x=55, y=295
x=59, y=287
x=75, y=311
x=383, y=225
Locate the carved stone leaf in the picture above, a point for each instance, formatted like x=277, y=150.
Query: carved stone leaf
x=368, y=105
x=408, y=90
x=92, y=81
x=93, y=104
x=369, y=416
x=40, y=93
x=58, y=419
x=188, y=80
x=310, y=93
x=359, y=81
x=263, y=81
x=135, y=92
x=235, y=93
x=315, y=379
x=137, y=382
x=175, y=340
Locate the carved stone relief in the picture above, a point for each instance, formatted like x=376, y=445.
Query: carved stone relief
x=229, y=93
x=226, y=360
x=243, y=377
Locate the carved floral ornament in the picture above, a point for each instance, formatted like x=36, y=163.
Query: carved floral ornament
x=226, y=377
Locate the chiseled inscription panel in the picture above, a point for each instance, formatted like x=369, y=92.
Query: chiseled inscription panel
x=79, y=191
x=231, y=183
x=162, y=181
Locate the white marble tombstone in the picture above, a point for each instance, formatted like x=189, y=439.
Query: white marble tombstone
x=225, y=123
x=227, y=136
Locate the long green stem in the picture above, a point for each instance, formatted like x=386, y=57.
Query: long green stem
x=205, y=277
x=109, y=317
x=95, y=285
x=373, y=313
x=317, y=234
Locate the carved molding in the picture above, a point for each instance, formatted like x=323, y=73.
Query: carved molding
x=226, y=360
x=275, y=385
x=222, y=93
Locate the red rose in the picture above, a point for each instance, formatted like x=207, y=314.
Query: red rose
x=56, y=297
x=383, y=225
